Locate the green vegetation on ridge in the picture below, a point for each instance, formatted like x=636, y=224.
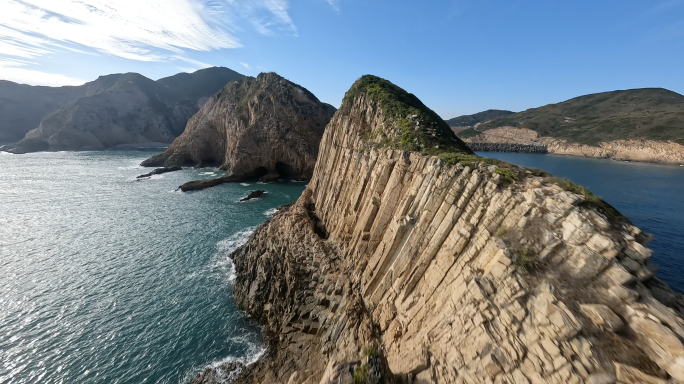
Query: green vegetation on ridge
x=417, y=128
x=410, y=125
x=470, y=120
x=648, y=113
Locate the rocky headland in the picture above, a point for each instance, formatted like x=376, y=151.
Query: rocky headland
x=112, y=111
x=265, y=127
x=634, y=125
x=408, y=259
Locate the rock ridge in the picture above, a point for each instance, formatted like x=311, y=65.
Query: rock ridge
x=264, y=127
x=112, y=111
x=449, y=273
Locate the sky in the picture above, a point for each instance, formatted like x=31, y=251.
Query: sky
x=458, y=56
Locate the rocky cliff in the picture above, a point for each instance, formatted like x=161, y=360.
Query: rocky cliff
x=256, y=127
x=509, y=139
x=637, y=124
x=114, y=110
x=432, y=265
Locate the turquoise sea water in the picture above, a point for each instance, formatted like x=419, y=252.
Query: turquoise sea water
x=104, y=279
x=651, y=195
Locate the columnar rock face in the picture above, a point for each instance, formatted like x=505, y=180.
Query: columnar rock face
x=264, y=126
x=398, y=266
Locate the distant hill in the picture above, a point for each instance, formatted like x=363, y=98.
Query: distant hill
x=113, y=110
x=470, y=120
x=649, y=113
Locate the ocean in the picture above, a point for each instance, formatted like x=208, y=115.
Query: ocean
x=107, y=279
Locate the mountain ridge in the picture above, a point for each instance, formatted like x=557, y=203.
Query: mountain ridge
x=103, y=113
x=643, y=113
x=470, y=120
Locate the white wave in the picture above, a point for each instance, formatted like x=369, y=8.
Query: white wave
x=156, y=177
x=227, y=246
x=254, y=352
x=244, y=184
x=271, y=212
x=208, y=173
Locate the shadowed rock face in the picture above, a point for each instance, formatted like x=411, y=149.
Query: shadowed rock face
x=111, y=111
x=447, y=273
x=256, y=127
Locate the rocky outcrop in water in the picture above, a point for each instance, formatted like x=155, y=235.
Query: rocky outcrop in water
x=253, y=195
x=114, y=110
x=265, y=127
x=509, y=139
x=450, y=269
x=160, y=171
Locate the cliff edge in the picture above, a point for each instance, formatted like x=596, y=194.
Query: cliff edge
x=255, y=127
x=408, y=259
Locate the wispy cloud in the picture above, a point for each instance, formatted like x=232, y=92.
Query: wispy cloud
x=142, y=30
x=15, y=70
x=145, y=30
x=132, y=29
x=245, y=65
x=334, y=4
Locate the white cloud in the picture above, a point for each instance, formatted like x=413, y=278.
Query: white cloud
x=245, y=65
x=13, y=70
x=145, y=30
x=333, y=3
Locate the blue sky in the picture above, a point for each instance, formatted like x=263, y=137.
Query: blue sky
x=458, y=56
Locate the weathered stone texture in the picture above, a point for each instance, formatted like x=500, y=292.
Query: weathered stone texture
x=458, y=276
x=255, y=127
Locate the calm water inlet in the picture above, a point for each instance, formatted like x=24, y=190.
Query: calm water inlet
x=651, y=195
x=105, y=279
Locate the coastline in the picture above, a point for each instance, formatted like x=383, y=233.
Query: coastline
x=646, y=151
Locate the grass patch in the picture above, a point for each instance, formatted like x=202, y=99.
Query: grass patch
x=415, y=127
x=509, y=174
x=590, y=200
x=524, y=262
x=360, y=375
x=501, y=232
x=370, y=351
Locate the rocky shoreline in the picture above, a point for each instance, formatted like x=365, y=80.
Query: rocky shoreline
x=509, y=139
x=397, y=266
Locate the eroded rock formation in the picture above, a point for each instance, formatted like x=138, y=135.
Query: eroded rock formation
x=403, y=267
x=256, y=127
x=510, y=139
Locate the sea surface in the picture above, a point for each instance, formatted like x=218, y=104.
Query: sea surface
x=106, y=279
x=650, y=195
